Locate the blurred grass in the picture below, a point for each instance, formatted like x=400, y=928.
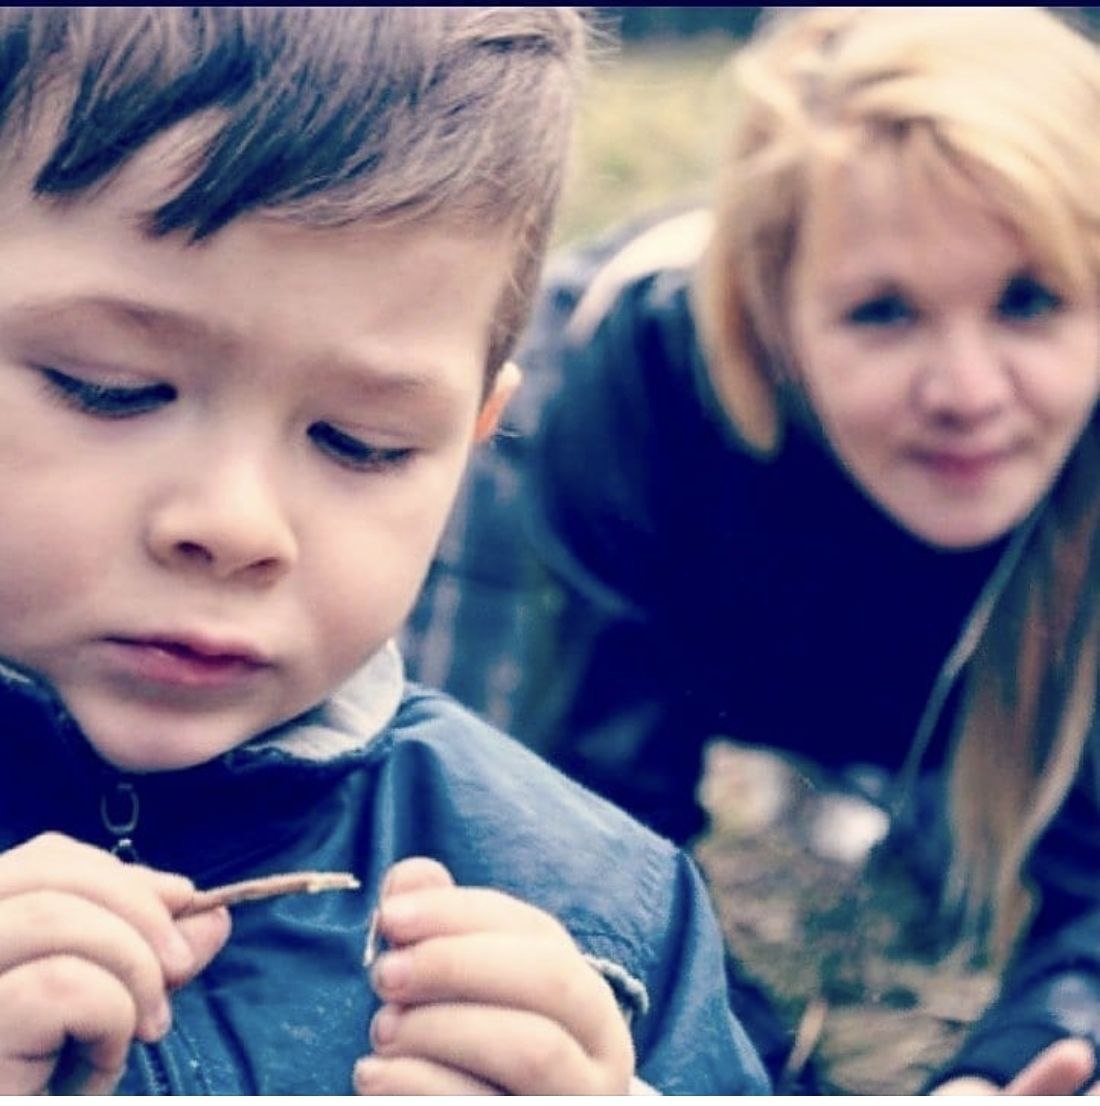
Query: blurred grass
x=649, y=132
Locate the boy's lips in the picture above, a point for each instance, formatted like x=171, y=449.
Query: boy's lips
x=184, y=662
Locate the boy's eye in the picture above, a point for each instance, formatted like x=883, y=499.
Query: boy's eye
x=1025, y=298
x=355, y=454
x=108, y=401
x=886, y=310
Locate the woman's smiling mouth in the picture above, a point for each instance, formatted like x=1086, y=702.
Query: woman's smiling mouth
x=963, y=468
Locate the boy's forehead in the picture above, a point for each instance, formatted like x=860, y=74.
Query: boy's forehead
x=357, y=304
x=427, y=254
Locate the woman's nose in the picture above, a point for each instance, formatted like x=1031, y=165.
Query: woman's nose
x=966, y=379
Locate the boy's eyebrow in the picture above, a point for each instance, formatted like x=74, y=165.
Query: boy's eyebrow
x=131, y=313
x=166, y=325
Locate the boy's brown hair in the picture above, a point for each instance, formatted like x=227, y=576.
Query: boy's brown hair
x=323, y=116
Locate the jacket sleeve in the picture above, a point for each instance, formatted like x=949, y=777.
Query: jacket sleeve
x=689, y=1042
x=1052, y=988
x=610, y=695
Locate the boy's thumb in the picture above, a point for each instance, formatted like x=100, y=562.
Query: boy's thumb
x=205, y=933
x=418, y=873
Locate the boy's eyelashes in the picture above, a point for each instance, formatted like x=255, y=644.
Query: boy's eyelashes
x=111, y=401
x=353, y=453
x=114, y=401
x=1023, y=298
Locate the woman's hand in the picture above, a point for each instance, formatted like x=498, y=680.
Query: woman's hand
x=1063, y=1068
x=89, y=950
x=485, y=994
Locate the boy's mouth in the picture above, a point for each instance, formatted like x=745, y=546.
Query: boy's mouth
x=185, y=663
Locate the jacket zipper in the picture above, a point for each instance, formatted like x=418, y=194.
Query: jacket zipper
x=156, y=1070
x=119, y=812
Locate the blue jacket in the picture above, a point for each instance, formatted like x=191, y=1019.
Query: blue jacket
x=381, y=772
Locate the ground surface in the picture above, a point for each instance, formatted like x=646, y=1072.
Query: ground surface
x=859, y=963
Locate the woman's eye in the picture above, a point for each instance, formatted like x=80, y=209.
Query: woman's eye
x=355, y=454
x=1025, y=298
x=887, y=310
x=108, y=401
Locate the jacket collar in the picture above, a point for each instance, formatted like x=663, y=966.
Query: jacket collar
x=211, y=821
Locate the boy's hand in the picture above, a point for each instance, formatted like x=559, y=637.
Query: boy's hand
x=88, y=952
x=485, y=994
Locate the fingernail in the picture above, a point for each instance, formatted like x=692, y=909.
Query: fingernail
x=366, y=1071
x=158, y=1023
x=392, y=972
x=383, y=1028
x=398, y=911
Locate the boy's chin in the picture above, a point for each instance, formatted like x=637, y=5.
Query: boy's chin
x=165, y=747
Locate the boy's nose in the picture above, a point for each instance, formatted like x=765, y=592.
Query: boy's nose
x=966, y=379
x=225, y=522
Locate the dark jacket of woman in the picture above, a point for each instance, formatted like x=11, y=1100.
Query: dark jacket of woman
x=691, y=589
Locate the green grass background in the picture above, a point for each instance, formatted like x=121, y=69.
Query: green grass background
x=650, y=131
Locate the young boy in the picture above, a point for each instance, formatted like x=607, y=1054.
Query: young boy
x=261, y=272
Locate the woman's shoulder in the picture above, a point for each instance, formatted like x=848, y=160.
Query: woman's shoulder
x=645, y=270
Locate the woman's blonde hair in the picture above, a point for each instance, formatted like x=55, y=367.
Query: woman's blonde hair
x=1001, y=103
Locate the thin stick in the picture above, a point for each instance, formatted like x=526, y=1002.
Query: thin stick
x=806, y=1039
x=292, y=883
x=370, y=952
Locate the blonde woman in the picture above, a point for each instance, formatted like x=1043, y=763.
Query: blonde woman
x=832, y=486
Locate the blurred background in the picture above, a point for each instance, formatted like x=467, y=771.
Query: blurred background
x=651, y=128
x=855, y=963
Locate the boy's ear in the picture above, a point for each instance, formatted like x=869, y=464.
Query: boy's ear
x=504, y=387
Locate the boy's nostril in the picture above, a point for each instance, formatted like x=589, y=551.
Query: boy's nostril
x=193, y=551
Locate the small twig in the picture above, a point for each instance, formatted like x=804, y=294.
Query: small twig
x=370, y=952
x=806, y=1039
x=291, y=883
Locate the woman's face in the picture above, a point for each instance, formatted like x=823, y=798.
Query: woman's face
x=951, y=377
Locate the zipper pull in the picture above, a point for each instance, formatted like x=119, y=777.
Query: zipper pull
x=119, y=810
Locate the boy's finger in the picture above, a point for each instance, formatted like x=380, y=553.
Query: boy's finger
x=135, y=894
x=521, y=1052
x=175, y=891
x=415, y=874
x=50, y=926
x=417, y=914
x=544, y=977
x=75, y=1045
x=406, y=1075
x=205, y=934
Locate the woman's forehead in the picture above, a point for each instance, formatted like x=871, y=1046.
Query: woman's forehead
x=880, y=196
